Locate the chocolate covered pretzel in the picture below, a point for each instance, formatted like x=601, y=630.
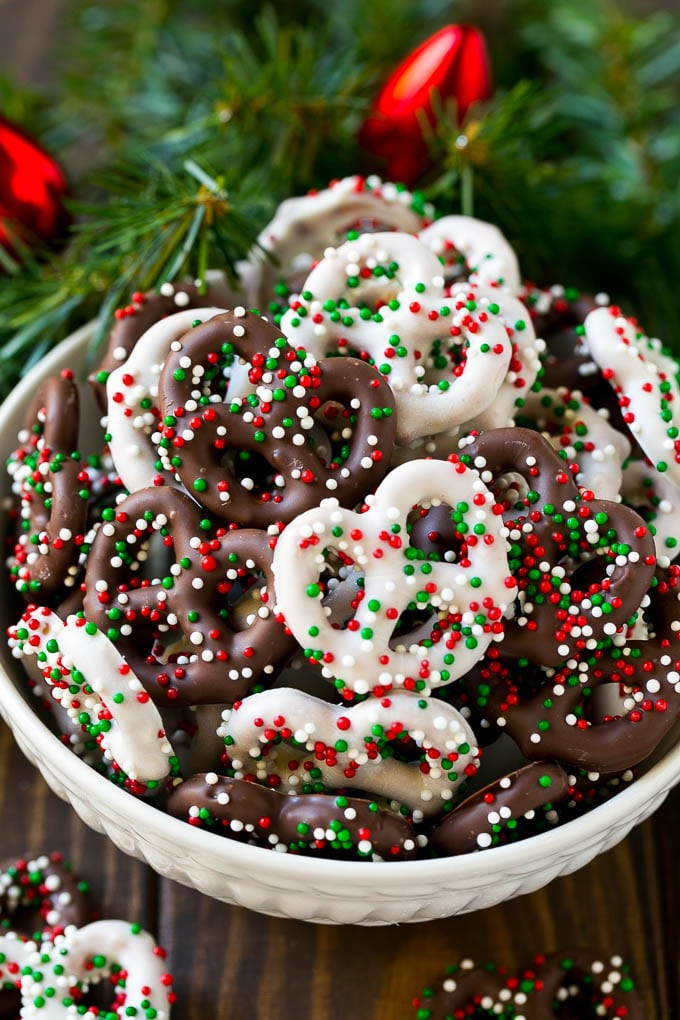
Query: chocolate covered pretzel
x=416, y=751
x=179, y=632
x=322, y=824
x=580, y=435
x=382, y=296
x=303, y=226
x=143, y=310
x=547, y=713
x=490, y=258
x=489, y=816
x=643, y=377
x=52, y=487
x=256, y=460
x=53, y=975
x=43, y=891
x=566, y=983
x=418, y=623
x=583, y=565
x=99, y=691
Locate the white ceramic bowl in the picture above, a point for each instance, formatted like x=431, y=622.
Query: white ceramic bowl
x=337, y=892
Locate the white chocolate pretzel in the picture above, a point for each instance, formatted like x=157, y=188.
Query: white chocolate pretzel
x=490, y=257
x=583, y=435
x=132, y=392
x=303, y=227
x=644, y=379
x=49, y=972
x=465, y=598
x=136, y=739
x=657, y=499
x=525, y=361
x=445, y=360
x=355, y=746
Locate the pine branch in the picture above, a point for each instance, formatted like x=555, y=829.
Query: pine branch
x=299, y=98
x=151, y=224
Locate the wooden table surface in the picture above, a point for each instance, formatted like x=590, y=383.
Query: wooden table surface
x=231, y=964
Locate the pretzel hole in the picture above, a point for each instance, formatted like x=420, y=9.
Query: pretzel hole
x=342, y=584
x=374, y=286
x=98, y=996
x=24, y=919
x=240, y=605
x=446, y=358
x=252, y=471
x=513, y=492
x=436, y=533
x=333, y=432
x=414, y=626
x=149, y=559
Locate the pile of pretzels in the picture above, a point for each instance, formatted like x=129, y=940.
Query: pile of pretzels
x=380, y=507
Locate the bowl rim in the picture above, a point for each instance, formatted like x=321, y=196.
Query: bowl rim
x=159, y=825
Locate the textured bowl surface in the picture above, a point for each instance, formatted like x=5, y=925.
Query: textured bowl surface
x=335, y=892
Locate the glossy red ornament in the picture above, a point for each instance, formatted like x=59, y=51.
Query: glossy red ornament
x=32, y=187
x=452, y=64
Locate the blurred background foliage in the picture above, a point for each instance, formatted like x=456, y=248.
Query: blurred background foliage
x=182, y=124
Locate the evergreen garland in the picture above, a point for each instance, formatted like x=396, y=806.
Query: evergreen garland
x=184, y=125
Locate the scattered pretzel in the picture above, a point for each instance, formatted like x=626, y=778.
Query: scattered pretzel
x=543, y=991
x=54, y=974
x=45, y=886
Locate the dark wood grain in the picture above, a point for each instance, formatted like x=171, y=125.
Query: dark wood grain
x=231, y=964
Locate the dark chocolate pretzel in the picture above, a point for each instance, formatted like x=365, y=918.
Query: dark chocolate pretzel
x=564, y=984
x=583, y=983
x=194, y=606
x=551, y=721
x=273, y=426
x=325, y=824
x=518, y=451
x=474, y=823
x=53, y=489
x=583, y=565
x=44, y=888
x=461, y=993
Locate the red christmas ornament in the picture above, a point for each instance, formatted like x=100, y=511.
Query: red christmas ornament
x=32, y=187
x=453, y=64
